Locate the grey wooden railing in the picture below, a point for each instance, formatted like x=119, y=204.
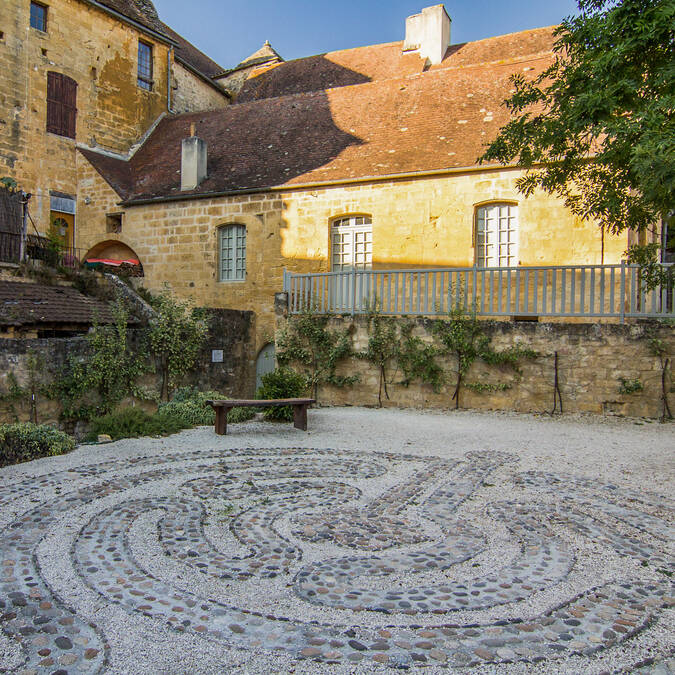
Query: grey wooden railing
x=598, y=291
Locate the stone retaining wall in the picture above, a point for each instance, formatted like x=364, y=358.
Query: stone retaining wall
x=230, y=331
x=591, y=360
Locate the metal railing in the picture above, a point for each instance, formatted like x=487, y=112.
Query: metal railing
x=593, y=291
x=37, y=248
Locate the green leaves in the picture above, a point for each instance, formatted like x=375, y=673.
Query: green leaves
x=608, y=97
x=175, y=336
x=310, y=345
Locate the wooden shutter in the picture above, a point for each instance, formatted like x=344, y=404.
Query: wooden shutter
x=61, y=104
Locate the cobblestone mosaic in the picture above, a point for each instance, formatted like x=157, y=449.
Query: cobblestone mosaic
x=281, y=506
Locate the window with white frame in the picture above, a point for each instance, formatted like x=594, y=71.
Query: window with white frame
x=232, y=253
x=497, y=235
x=351, y=243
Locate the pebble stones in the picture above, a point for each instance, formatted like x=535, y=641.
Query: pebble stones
x=316, y=490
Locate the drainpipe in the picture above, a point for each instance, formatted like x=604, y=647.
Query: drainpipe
x=169, y=59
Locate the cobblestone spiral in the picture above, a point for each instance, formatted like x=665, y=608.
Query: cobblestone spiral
x=386, y=570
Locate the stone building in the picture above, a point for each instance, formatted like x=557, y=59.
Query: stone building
x=363, y=157
x=87, y=73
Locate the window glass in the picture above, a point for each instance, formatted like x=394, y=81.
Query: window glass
x=497, y=235
x=38, y=16
x=352, y=243
x=144, y=65
x=232, y=253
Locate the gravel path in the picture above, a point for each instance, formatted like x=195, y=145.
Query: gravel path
x=380, y=539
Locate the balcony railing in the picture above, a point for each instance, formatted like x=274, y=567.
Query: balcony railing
x=591, y=291
x=37, y=248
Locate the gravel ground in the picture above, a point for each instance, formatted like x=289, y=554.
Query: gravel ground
x=148, y=555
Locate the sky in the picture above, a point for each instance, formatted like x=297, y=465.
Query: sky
x=229, y=31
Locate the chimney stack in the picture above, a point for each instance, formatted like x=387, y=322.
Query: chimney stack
x=193, y=161
x=428, y=33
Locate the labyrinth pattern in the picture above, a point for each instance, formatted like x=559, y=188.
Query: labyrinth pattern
x=308, y=521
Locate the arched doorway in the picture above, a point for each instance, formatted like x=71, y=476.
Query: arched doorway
x=114, y=254
x=264, y=363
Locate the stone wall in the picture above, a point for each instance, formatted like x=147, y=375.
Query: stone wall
x=100, y=53
x=191, y=94
x=229, y=331
x=591, y=359
x=425, y=222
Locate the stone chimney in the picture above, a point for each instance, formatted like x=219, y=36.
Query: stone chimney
x=193, y=161
x=428, y=33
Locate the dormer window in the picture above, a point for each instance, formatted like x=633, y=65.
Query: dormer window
x=144, y=65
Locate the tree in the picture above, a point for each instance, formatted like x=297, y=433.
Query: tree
x=597, y=127
x=312, y=348
x=176, y=335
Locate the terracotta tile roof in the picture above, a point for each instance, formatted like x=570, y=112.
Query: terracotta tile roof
x=385, y=61
x=189, y=54
x=429, y=120
x=24, y=304
x=117, y=172
x=140, y=11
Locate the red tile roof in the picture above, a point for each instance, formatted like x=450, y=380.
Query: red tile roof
x=383, y=117
x=24, y=304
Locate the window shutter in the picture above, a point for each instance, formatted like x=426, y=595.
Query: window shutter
x=61, y=104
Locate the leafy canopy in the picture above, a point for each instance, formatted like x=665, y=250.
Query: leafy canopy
x=609, y=95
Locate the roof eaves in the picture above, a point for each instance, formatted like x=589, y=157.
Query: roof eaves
x=208, y=80
x=474, y=168
x=132, y=22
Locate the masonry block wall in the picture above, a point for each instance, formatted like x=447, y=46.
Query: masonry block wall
x=229, y=331
x=591, y=360
x=190, y=93
x=424, y=222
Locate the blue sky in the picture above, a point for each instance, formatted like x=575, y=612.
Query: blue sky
x=229, y=31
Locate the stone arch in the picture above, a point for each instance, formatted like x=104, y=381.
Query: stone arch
x=113, y=249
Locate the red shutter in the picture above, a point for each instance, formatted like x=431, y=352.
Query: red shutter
x=61, y=104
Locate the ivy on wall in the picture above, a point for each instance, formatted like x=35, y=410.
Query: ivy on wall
x=308, y=345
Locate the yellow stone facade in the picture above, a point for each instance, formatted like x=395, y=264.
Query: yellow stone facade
x=423, y=222
x=99, y=52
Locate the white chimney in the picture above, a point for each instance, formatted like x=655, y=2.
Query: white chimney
x=193, y=161
x=428, y=33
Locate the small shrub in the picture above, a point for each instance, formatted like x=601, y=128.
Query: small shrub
x=627, y=386
x=132, y=423
x=24, y=442
x=281, y=383
x=188, y=406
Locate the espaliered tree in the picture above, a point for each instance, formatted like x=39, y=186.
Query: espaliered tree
x=597, y=127
x=176, y=335
x=382, y=349
x=308, y=345
x=463, y=336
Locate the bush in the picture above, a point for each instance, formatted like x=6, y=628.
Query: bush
x=132, y=423
x=24, y=442
x=281, y=383
x=188, y=405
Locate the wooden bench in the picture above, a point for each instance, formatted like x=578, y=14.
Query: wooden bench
x=222, y=408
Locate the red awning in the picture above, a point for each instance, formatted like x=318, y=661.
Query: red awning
x=111, y=261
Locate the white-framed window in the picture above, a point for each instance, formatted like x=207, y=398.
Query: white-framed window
x=497, y=235
x=232, y=252
x=352, y=243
